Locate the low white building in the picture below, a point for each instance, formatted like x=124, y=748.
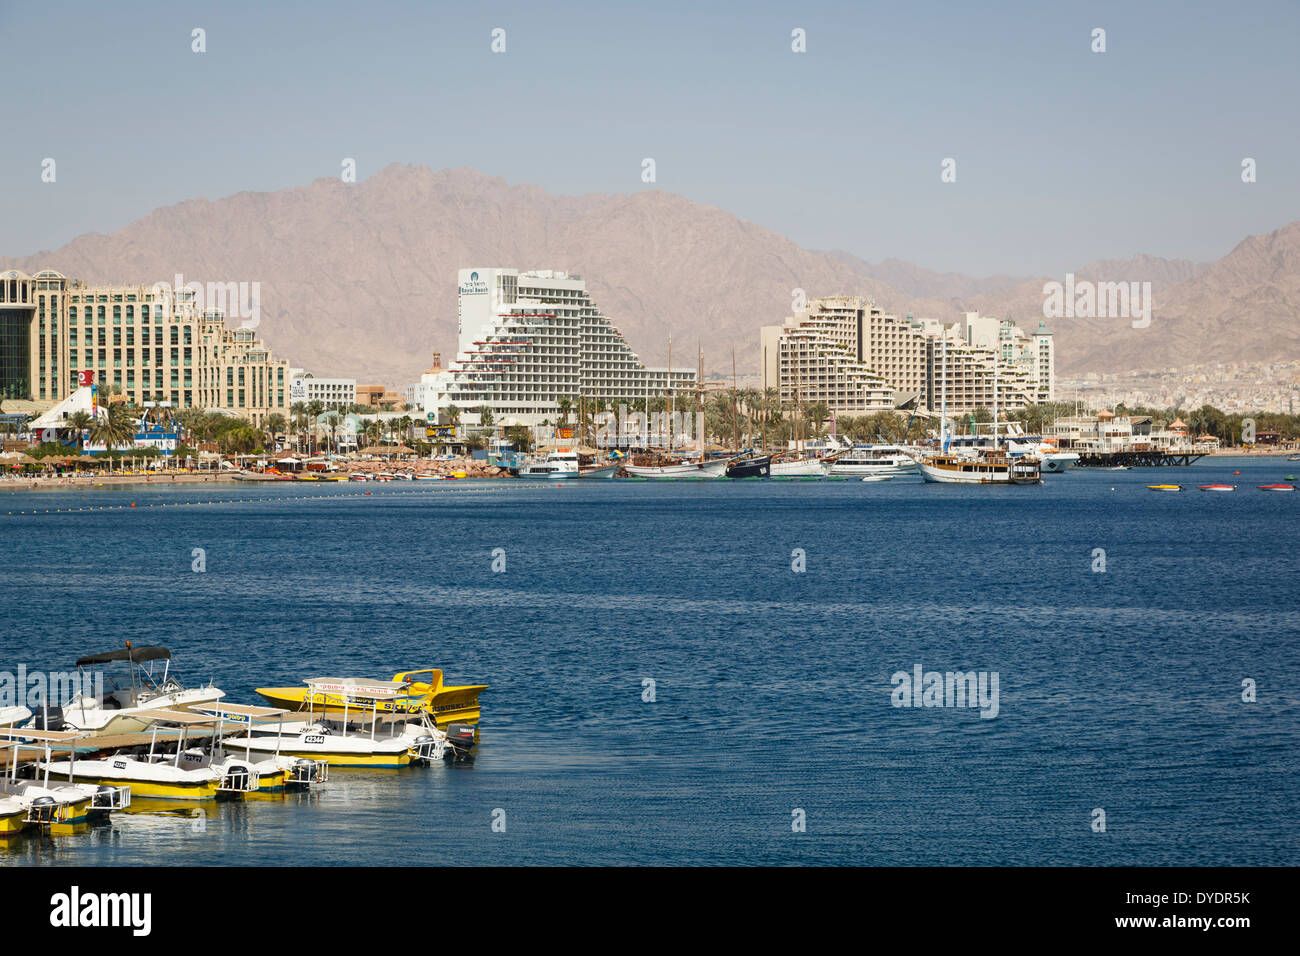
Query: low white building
x=333, y=392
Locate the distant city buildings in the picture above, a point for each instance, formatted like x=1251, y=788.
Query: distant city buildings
x=331, y=392
x=843, y=352
x=528, y=340
x=152, y=345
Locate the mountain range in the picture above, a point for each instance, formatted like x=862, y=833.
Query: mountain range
x=360, y=279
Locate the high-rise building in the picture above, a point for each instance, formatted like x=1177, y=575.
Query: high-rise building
x=844, y=352
x=527, y=340
x=147, y=342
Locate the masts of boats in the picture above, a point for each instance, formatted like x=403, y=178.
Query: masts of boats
x=121, y=708
x=160, y=775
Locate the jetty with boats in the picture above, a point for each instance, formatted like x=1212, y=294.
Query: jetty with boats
x=67, y=765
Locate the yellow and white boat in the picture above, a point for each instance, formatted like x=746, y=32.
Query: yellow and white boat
x=275, y=772
x=13, y=817
x=343, y=741
x=55, y=803
x=421, y=691
x=158, y=775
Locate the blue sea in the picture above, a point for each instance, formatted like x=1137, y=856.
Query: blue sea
x=666, y=688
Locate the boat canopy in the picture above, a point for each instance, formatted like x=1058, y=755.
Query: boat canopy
x=137, y=654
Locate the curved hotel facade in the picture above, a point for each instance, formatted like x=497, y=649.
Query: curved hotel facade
x=525, y=341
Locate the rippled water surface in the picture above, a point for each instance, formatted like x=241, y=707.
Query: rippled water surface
x=1118, y=690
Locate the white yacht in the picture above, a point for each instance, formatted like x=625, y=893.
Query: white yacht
x=557, y=464
x=121, y=707
x=874, y=460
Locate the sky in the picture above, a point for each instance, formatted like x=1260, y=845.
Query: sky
x=1062, y=155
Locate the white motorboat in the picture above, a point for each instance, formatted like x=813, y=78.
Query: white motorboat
x=714, y=468
x=874, y=460
x=876, y=478
x=126, y=697
x=1055, y=462
x=11, y=716
x=799, y=468
x=275, y=772
x=557, y=464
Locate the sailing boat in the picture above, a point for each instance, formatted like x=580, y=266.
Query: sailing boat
x=684, y=469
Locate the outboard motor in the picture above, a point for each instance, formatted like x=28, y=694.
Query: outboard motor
x=43, y=810
x=461, y=737
x=47, y=718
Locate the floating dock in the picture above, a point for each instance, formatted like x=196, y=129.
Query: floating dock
x=1138, y=459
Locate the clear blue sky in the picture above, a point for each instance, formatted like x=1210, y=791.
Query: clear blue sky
x=1063, y=155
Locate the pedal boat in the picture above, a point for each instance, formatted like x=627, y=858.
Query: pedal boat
x=159, y=775
x=55, y=803
x=129, y=696
x=420, y=691
x=345, y=742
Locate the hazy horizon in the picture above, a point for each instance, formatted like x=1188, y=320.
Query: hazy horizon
x=1064, y=156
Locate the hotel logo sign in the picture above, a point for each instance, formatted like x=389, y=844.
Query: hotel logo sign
x=473, y=285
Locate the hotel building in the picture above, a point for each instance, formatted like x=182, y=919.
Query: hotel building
x=333, y=393
x=526, y=340
x=854, y=358
x=147, y=343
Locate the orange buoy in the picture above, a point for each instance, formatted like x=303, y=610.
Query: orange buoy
x=133, y=504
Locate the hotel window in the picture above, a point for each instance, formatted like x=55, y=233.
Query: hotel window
x=99, y=314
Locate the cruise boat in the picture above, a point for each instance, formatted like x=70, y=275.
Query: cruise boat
x=421, y=691
x=716, y=468
x=142, y=688
x=981, y=469
x=799, y=468
x=557, y=464
x=874, y=460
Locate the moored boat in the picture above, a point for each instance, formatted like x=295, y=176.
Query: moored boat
x=421, y=690
x=980, y=470
x=127, y=696
x=874, y=460
x=716, y=468
x=749, y=465
x=799, y=468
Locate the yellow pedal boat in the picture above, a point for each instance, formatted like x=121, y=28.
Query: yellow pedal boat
x=421, y=692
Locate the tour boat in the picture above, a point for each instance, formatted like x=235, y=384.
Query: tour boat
x=1277, y=487
x=1217, y=487
x=159, y=775
x=715, y=468
x=127, y=696
x=557, y=464
x=599, y=471
x=1055, y=462
x=874, y=460
x=273, y=773
x=981, y=470
x=799, y=468
x=55, y=802
x=1165, y=487
x=422, y=691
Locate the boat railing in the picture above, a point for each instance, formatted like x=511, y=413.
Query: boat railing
x=308, y=772
x=46, y=812
x=238, y=779
x=111, y=798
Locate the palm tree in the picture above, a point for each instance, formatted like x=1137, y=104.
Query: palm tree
x=114, y=428
x=275, y=424
x=566, y=405
x=314, y=408
x=80, y=421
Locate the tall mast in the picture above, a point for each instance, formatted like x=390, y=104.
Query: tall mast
x=735, y=411
x=762, y=402
x=670, y=396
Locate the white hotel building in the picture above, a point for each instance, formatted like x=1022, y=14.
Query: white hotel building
x=527, y=340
